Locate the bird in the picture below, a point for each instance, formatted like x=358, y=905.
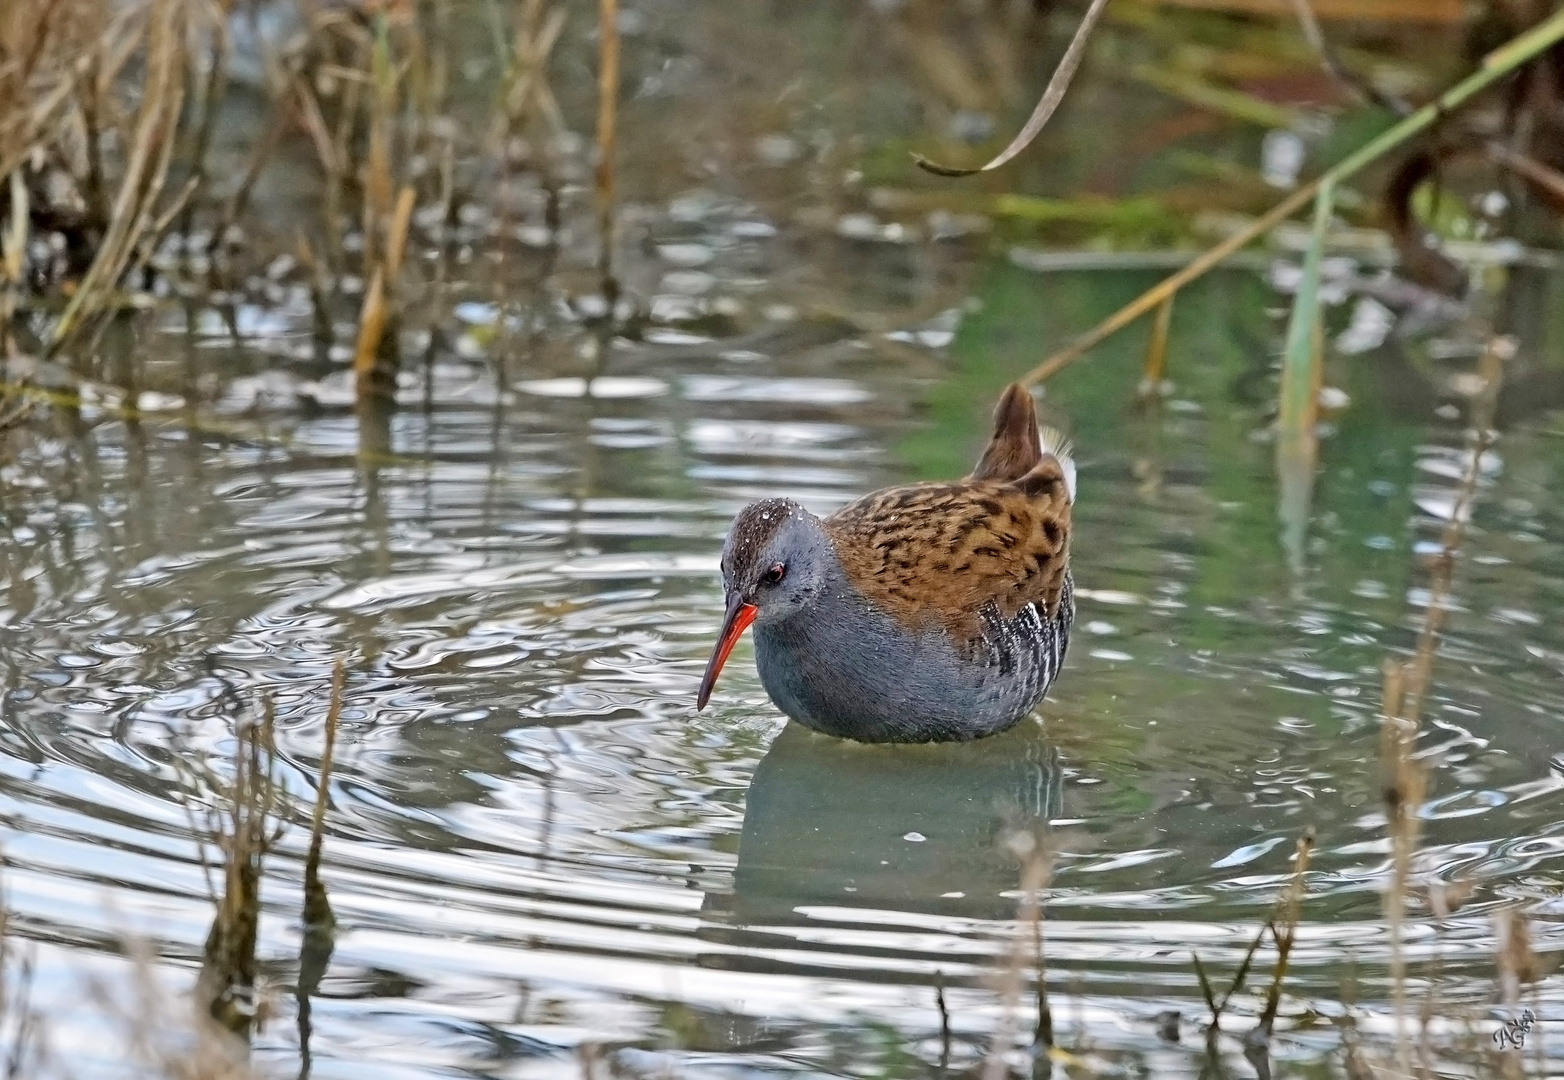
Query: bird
x=929, y=612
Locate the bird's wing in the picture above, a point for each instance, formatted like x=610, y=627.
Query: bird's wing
x=943, y=552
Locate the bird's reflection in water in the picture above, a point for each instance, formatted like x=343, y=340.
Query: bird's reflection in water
x=912, y=828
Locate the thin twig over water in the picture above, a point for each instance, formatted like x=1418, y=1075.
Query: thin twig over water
x=1053, y=94
x=1029, y=846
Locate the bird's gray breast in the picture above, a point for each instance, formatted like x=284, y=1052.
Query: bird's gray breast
x=846, y=668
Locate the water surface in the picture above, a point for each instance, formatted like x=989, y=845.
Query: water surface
x=535, y=844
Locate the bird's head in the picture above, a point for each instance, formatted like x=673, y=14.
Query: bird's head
x=774, y=565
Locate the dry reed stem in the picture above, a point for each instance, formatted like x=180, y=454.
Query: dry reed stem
x=1219, y=1007
x=314, y=120
x=607, y=120
x=1423, y=11
x=396, y=232
x=151, y=151
x=317, y=907
x=1406, y=686
x=922, y=39
x=319, y=287
x=1491, y=369
x=327, y=760
x=1155, y=369
x=1359, y=89
x=245, y=832
x=375, y=174
x=1404, y=787
x=341, y=146
x=373, y=356
x=371, y=327
x=238, y=200
x=1442, y=900
x=1286, y=909
x=212, y=92
x=1243, y=970
x=95, y=183
x=1043, y=1034
x=319, y=921
x=1036, y=869
x=1290, y=908
x=944, y=1021
x=1205, y=983
x=529, y=93
x=1165, y=289
x=13, y=250
x=14, y=242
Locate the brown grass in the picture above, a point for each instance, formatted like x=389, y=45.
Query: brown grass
x=74, y=76
x=107, y=116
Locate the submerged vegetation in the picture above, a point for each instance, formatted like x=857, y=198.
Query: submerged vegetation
x=150, y=161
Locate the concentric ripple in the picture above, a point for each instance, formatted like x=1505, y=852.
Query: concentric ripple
x=535, y=843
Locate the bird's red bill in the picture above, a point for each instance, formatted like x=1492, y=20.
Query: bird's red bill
x=734, y=622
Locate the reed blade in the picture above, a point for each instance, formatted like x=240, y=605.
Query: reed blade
x=1296, y=443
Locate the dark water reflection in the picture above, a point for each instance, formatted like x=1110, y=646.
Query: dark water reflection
x=912, y=828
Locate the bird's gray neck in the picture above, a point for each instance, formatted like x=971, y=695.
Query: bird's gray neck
x=822, y=656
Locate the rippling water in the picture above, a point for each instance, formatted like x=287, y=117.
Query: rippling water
x=535, y=843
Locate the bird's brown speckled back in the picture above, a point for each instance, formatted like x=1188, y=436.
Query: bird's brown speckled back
x=944, y=552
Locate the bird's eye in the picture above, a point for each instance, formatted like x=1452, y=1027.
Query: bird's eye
x=773, y=576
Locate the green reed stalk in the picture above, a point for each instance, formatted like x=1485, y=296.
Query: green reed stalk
x=1297, y=449
x=1300, y=358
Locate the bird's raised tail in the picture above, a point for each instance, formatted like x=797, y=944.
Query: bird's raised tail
x=1014, y=449
x=1018, y=447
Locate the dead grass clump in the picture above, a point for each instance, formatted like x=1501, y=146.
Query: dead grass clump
x=107, y=115
x=244, y=823
x=94, y=95
x=368, y=93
